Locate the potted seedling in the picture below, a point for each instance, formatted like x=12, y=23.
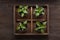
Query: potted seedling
x=38, y=11
x=40, y=26
x=22, y=26
x=22, y=10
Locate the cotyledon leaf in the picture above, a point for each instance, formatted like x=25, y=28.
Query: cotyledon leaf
x=38, y=23
x=22, y=14
x=25, y=11
x=44, y=23
x=25, y=7
x=25, y=22
x=20, y=6
x=43, y=13
x=42, y=31
x=17, y=28
x=37, y=6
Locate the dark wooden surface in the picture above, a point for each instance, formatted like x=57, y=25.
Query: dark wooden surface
x=6, y=19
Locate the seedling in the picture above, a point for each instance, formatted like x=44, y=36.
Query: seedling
x=38, y=11
x=40, y=26
x=22, y=10
x=22, y=26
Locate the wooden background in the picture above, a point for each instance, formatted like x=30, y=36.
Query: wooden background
x=6, y=19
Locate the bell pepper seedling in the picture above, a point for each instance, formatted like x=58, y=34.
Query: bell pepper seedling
x=40, y=26
x=22, y=26
x=22, y=10
x=38, y=11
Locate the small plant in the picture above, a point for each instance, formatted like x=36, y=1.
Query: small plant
x=38, y=11
x=40, y=26
x=22, y=26
x=22, y=10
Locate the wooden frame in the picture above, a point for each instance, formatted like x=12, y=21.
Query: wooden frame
x=31, y=21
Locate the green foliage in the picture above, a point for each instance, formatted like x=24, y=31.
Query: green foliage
x=22, y=25
x=25, y=22
x=38, y=11
x=40, y=26
x=22, y=10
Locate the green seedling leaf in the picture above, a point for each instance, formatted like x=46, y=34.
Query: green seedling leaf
x=20, y=6
x=42, y=31
x=44, y=23
x=41, y=10
x=23, y=27
x=38, y=24
x=25, y=11
x=19, y=10
x=22, y=9
x=22, y=14
x=41, y=27
x=20, y=24
x=18, y=28
x=36, y=28
x=25, y=22
x=36, y=11
x=37, y=6
x=25, y=7
x=43, y=13
x=37, y=14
